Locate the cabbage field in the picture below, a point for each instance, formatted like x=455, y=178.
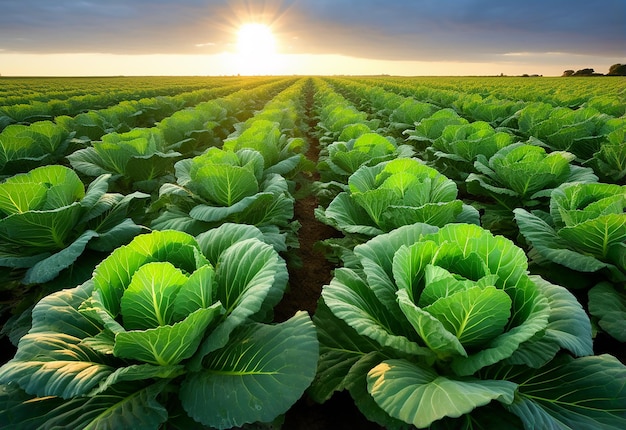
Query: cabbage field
x=313, y=252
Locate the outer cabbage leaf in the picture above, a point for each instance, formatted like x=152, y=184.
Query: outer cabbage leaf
x=420, y=396
x=341, y=348
x=350, y=299
x=215, y=241
x=264, y=369
x=376, y=257
x=51, y=360
x=568, y=328
x=545, y=240
x=119, y=407
x=590, y=394
x=610, y=161
x=251, y=280
x=227, y=185
x=608, y=304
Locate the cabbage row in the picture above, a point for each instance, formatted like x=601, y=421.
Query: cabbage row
x=49, y=219
x=23, y=146
x=169, y=322
x=433, y=321
x=48, y=102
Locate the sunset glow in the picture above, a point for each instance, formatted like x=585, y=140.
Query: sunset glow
x=256, y=50
x=255, y=40
x=283, y=37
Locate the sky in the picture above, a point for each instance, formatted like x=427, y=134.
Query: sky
x=311, y=37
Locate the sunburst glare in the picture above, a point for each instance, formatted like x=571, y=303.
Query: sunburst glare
x=256, y=50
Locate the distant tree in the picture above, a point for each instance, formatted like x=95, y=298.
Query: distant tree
x=617, y=70
x=568, y=73
x=584, y=72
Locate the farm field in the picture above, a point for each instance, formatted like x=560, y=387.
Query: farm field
x=332, y=252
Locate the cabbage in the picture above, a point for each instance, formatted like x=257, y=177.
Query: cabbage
x=169, y=327
x=281, y=155
x=431, y=128
x=344, y=158
x=137, y=159
x=610, y=161
x=427, y=325
x=224, y=186
x=455, y=151
x=395, y=193
x=48, y=220
x=24, y=147
x=585, y=232
x=520, y=176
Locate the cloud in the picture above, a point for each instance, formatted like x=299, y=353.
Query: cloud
x=459, y=30
x=469, y=29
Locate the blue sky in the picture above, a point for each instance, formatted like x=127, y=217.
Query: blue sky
x=560, y=34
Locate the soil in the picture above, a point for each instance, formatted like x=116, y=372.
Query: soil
x=309, y=271
x=305, y=286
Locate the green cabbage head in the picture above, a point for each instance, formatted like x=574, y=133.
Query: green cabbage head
x=396, y=193
x=48, y=219
x=170, y=328
x=583, y=236
x=224, y=186
x=444, y=326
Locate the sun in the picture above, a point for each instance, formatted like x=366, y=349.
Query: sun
x=255, y=40
x=256, y=50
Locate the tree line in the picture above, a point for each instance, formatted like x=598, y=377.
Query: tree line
x=614, y=70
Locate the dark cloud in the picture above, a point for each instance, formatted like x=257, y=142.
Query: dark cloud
x=460, y=30
x=468, y=29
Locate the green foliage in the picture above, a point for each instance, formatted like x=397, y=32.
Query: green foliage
x=368, y=149
x=520, y=176
x=138, y=159
x=610, y=161
x=585, y=232
x=89, y=126
x=336, y=114
x=431, y=325
x=395, y=193
x=158, y=321
x=455, y=151
x=429, y=129
x=281, y=154
x=608, y=304
x=23, y=148
x=439, y=324
x=580, y=132
x=408, y=113
x=493, y=110
x=524, y=173
x=224, y=186
x=48, y=219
